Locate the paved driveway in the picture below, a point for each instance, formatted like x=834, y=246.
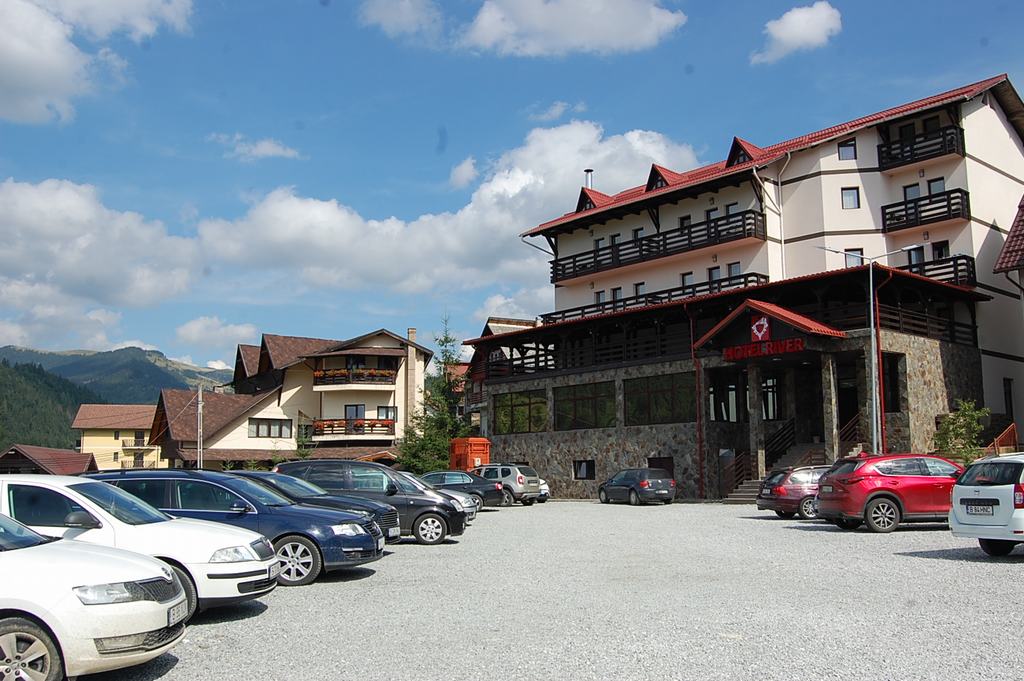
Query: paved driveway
x=584, y=591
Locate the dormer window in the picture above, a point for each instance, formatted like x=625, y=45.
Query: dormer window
x=741, y=157
x=659, y=183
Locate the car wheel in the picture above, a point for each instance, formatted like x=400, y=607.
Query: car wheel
x=479, y=501
x=189, y=587
x=602, y=496
x=668, y=501
x=634, y=498
x=430, y=529
x=785, y=514
x=527, y=502
x=996, y=547
x=882, y=515
x=844, y=524
x=507, y=498
x=300, y=560
x=807, y=510
x=28, y=652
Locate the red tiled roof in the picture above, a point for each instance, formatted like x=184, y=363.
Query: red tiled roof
x=797, y=321
x=114, y=416
x=763, y=156
x=55, y=461
x=1011, y=257
x=350, y=453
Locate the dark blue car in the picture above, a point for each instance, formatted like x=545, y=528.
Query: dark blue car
x=308, y=539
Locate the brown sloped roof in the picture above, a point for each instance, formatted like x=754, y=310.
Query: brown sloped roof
x=1011, y=257
x=56, y=461
x=354, y=343
x=117, y=416
x=284, y=351
x=350, y=453
x=250, y=356
x=177, y=413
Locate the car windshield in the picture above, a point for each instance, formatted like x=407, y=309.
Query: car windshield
x=418, y=483
x=844, y=467
x=294, y=486
x=125, y=507
x=14, y=535
x=990, y=473
x=528, y=472
x=263, y=495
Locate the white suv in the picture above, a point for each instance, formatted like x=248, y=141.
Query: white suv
x=217, y=564
x=988, y=504
x=69, y=608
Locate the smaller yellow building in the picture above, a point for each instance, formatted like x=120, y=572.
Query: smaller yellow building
x=118, y=435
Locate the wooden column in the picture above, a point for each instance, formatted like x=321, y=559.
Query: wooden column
x=830, y=406
x=756, y=421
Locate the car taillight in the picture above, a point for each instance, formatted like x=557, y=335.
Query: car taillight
x=645, y=483
x=520, y=479
x=1018, y=495
x=671, y=483
x=779, y=491
x=497, y=486
x=851, y=481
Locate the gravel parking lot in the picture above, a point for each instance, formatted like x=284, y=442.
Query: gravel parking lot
x=584, y=591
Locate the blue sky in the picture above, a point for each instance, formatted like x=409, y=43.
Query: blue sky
x=187, y=174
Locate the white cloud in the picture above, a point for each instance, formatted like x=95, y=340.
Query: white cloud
x=535, y=28
x=244, y=149
x=42, y=71
x=134, y=343
x=557, y=110
x=184, y=359
x=801, y=28
x=463, y=174
x=403, y=17
x=211, y=332
x=526, y=303
x=220, y=365
x=473, y=247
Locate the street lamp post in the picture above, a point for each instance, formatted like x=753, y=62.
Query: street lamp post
x=876, y=421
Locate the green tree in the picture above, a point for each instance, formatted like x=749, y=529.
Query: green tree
x=957, y=435
x=304, y=444
x=431, y=429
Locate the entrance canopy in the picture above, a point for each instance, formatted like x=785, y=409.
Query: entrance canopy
x=759, y=329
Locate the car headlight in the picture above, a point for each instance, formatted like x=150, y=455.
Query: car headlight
x=233, y=554
x=348, y=529
x=105, y=594
x=456, y=503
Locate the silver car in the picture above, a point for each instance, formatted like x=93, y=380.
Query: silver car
x=519, y=482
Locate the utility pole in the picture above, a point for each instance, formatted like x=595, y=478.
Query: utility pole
x=199, y=431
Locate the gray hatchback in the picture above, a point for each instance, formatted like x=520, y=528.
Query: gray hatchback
x=638, y=485
x=519, y=482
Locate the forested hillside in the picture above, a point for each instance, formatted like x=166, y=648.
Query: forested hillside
x=37, y=407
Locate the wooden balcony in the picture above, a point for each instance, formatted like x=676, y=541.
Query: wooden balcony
x=925, y=210
x=354, y=376
x=656, y=297
x=958, y=269
x=948, y=140
x=136, y=443
x=138, y=465
x=744, y=225
x=342, y=427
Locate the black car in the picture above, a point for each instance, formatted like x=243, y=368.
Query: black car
x=304, y=492
x=488, y=491
x=426, y=515
x=638, y=485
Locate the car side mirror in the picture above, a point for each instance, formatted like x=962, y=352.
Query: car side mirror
x=81, y=520
x=391, y=490
x=241, y=507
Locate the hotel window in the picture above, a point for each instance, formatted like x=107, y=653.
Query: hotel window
x=584, y=469
x=915, y=256
x=598, y=243
x=911, y=192
x=848, y=150
x=614, y=239
x=937, y=185
x=851, y=198
x=638, y=233
x=270, y=428
x=639, y=288
x=354, y=412
x=940, y=250
x=617, y=293
x=732, y=208
x=686, y=278
x=685, y=221
x=387, y=413
x=117, y=434
x=712, y=213
x=1008, y=397
x=660, y=399
x=906, y=133
x=852, y=259
x=521, y=412
x=714, y=273
x=598, y=297
x=931, y=125
x=589, y=405
x=733, y=270
x=770, y=410
x=355, y=362
x=891, y=378
x=723, y=397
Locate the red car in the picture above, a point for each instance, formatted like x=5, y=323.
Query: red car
x=883, y=491
x=791, y=491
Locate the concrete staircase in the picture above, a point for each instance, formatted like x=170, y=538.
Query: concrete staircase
x=746, y=493
x=810, y=454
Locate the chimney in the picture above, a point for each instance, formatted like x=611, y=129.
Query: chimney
x=588, y=178
x=411, y=334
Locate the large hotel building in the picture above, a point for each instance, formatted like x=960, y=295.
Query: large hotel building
x=715, y=322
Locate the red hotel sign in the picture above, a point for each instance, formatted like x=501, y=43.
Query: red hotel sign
x=738, y=352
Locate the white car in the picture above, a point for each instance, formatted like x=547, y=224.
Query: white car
x=988, y=504
x=217, y=564
x=70, y=608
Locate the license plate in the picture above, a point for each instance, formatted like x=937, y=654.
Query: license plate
x=826, y=488
x=394, y=531
x=662, y=491
x=979, y=510
x=177, y=613
x=380, y=544
x=274, y=570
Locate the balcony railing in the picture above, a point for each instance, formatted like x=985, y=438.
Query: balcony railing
x=948, y=140
x=656, y=297
x=349, y=376
x=135, y=443
x=958, y=269
x=733, y=227
x=353, y=427
x=925, y=210
x=138, y=465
